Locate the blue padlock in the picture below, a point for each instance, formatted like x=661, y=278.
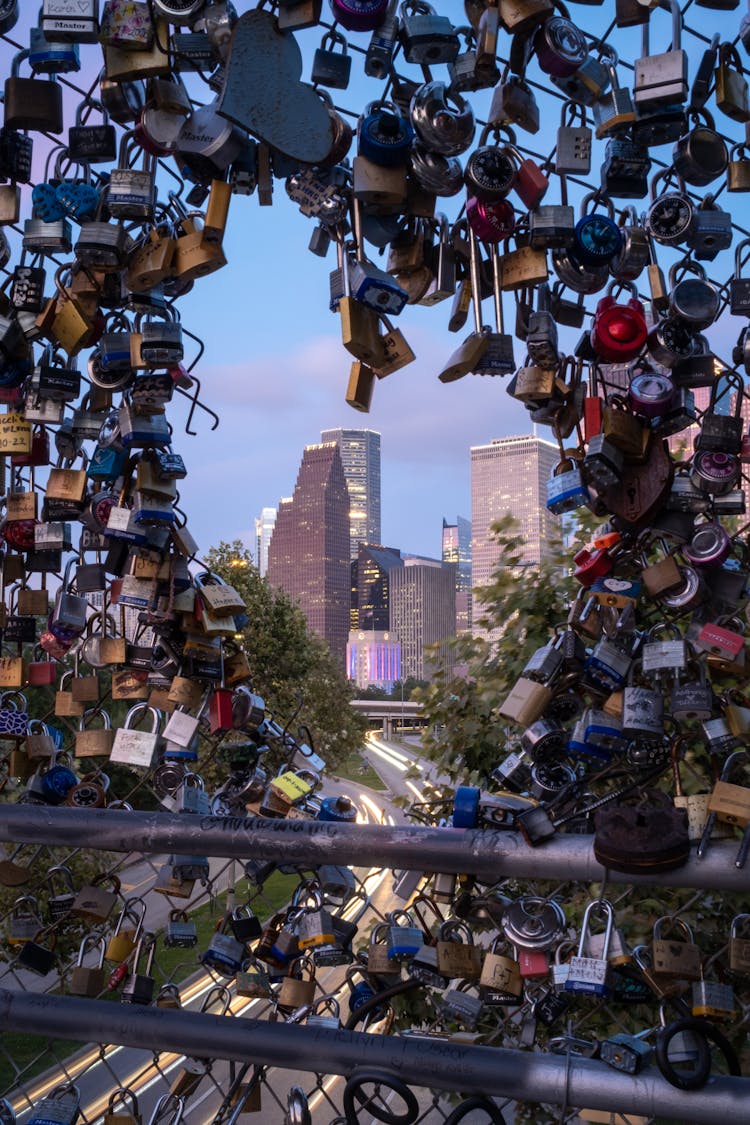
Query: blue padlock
x=51, y=56
x=384, y=136
x=466, y=807
x=338, y=808
x=79, y=200
x=106, y=463
x=56, y=783
x=403, y=941
x=46, y=204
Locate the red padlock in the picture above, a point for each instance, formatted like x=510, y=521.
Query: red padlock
x=619, y=332
x=220, y=710
x=39, y=454
x=591, y=565
x=719, y=641
x=593, y=409
x=531, y=183
x=533, y=963
x=41, y=673
x=19, y=534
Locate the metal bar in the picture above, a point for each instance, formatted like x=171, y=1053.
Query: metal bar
x=436, y=1063
x=490, y=854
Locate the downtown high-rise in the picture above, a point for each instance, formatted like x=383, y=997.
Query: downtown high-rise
x=457, y=550
x=360, y=457
x=422, y=601
x=308, y=556
x=509, y=477
x=264, y=525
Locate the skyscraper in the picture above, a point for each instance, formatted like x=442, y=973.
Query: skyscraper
x=308, y=556
x=360, y=456
x=374, y=566
x=264, y=524
x=509, y=476
x=457, y=549
x=423, y=611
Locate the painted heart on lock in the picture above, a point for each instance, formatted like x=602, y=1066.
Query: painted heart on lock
x=275, y=106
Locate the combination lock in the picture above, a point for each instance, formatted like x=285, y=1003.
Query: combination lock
x=490, y=173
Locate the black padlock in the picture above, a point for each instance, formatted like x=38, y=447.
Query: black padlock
x=332, y=67
x=32, y=103
x=92, y=144
x=244, y=924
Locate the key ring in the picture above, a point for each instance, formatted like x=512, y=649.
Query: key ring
x=703, y=1031
x=353, y=1091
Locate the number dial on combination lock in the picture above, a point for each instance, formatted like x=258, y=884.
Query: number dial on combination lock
x=490, y=173
x=669, y=219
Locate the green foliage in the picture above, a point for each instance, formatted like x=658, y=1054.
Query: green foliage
x=292, y=667
x=518, y=612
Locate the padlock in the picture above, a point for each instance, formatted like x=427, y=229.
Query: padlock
x=701, y=155
x=560, y=47
x=88, y=980
x=298, y=986
x=711, y=232
x=619, y=331
x=124, y=1100
x=661, y=79
x=587, y=974
x=712, y=999
x=139, y=985
x=31, y=103
x=658, y=656
x=426, y=37
x=59, y=902
x=225, y=953
x=131, y=191
x=566, y=490
x=729, y=801
x=442, y=119
x=739, y=945
x=93, y=902
x=673, y=958
x=60, y=1105
x=500, y=980
x=127, y=930
x=24, y=921
x=40, y=958
x=133, y=747
x=597, y=237
x=738, y=169
x=671, y=215
x=457, y=958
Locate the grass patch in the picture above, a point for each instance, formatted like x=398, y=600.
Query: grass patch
x=356, y=768
x=31, y=1055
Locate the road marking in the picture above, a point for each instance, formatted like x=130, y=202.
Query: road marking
x=382, y=753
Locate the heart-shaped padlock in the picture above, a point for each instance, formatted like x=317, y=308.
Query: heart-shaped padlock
x=46, y=203
x=78, y=200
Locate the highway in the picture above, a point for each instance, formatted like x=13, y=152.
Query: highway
x=97, y=1072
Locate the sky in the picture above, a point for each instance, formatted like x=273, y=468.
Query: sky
x=275, y=371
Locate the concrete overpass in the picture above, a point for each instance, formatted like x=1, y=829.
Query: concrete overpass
x=391, y=713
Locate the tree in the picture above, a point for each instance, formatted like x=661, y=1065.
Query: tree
x=291, y=667
x=521, y=607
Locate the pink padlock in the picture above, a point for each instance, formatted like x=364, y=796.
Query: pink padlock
x=491, y=222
